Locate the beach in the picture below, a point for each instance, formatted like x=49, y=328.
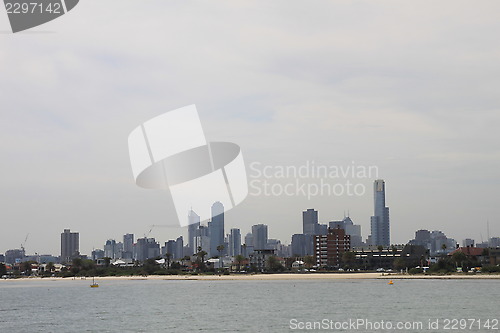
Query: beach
x=283, y=276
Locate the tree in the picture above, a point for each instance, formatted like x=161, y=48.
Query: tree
x=50, y=267
x=201, y=259
x=220, y=248
x=348, y=257
x=107, y=261
x=399, y=263
x=443, y=247
x=167, y=259
x=273, y=264
x=239, y=259
x=380, y=249
x=26, y=267
x=3, y=269
x=309, y=261
x=76, y=262
x=459, y=257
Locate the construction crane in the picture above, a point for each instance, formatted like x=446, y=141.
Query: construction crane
x=156, y=226
x=24, y=243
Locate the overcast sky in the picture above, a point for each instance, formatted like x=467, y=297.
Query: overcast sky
x=411, y=87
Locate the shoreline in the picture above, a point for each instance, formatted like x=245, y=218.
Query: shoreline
x=269, y=277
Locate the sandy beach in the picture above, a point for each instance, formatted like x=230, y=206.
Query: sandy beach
x=284, y=276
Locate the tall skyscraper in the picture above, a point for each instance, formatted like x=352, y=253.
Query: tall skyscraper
x=216, y=228
x=310, y=222
x=379, y=222
x=234, y=242
x=259, y=232
x=248, y=246
x=194, y=224
x=128, y=243
x=70, y=245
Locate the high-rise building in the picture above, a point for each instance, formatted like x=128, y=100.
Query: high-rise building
x=248, y=246
x=330, y=248
x=310, y=222
x=70, y=245
x=193, y=225
x=379, y=222
x=128, y=246
x=146, y=248
x=234, y=241
x=302, y=245
x=202, y=240
x=128, y=243
x=97, y=254
x=216, y=228
x=259, y=233
x=174, y=248
x=112, y=249
x=351, y=229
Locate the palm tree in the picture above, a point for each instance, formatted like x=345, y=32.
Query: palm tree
x=201, y=258
x=220, y=248
x=443, y=247
x=167, y=258
x=239, y=259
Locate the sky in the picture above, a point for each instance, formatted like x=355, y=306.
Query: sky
x=409, y=87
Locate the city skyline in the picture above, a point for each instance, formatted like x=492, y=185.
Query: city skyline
x=213, y=239
x=418, y=103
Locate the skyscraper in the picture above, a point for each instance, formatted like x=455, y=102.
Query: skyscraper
x=128, y=246
x=194, y=224
x=310, y=222
x=259, y=232
x=379, y=222
x=234, y=242
x=216, y=228
x=70, y=245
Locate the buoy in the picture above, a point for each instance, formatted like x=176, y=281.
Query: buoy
x=390, y=282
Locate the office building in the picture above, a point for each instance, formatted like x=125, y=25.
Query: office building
x=379, y=223
x=310, y=222
x=70, y=245
x=351, y=229
x=146, y=248
x=234, y=242
x=128, y=246
x=194, y=224
x=112, y=249
x=259, y=233
x=216, y=229
x=248, y=248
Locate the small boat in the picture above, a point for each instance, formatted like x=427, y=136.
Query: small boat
x=390, y=282
x=94, y=285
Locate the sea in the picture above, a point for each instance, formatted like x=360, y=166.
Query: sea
x=335, y=305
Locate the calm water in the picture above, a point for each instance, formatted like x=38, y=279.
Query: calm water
x=237, y=306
